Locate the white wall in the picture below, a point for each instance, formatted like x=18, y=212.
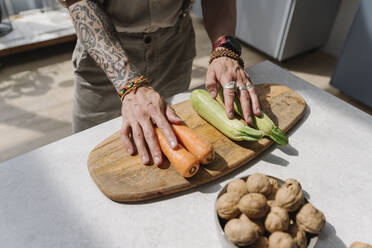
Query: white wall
x=344, y=19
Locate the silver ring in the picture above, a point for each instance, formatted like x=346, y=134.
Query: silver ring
x=246, y=87
x=230, y=85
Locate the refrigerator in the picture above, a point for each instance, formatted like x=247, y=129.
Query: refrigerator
x=283, y=28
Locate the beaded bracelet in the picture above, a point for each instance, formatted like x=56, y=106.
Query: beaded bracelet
x=224, y=52
x=132, y=86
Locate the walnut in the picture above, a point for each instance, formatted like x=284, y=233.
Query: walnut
x=238, y=186
x=274, y=188
x=281, y=240
x=271, y=203
x=290, y=195
x=260, y=226
x=259, y=183
x=227, y=205
x=277, y=220
x=298, y=235
x=253, y=205
x=360, y=245
x=261, y=242
x=310, y=219
x=241, y=231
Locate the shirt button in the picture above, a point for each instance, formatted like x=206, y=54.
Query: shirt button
x=148, y=40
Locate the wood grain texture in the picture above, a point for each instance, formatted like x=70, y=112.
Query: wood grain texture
x=123, y=178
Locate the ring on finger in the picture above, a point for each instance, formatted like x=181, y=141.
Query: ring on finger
x=246, y=87
x=230, y=85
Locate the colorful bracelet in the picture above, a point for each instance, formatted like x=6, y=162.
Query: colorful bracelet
x=224, y=52
x=132, y=86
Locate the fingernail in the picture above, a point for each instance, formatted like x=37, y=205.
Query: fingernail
x=173, y=144
x=213, y=93
x=129, y=151
x=258, y=110
x=144, y=159
x=231, y=114
x=249, y=119
x=157, y=159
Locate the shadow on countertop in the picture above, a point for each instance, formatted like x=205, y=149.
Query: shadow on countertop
x=329, y=239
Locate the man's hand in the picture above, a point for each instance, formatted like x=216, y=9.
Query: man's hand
x=224, y=70
x=140, y=111
x=220, y=20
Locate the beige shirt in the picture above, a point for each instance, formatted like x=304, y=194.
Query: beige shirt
x=142, y=16
x=137, y=16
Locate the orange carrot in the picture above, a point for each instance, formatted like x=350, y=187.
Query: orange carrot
x=195, y=144
x=186, y=163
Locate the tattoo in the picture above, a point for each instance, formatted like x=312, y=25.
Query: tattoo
x=97, y=34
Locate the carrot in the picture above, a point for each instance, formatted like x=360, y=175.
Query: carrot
x=195, y=144
x=186, y=163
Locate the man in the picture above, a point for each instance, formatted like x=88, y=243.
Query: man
x=122, y=44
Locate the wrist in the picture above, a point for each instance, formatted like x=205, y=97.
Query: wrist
x=132, y=85
x=224, y=52
x=229, y=42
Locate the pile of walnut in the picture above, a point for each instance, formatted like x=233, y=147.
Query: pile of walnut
x=360, y=245
x=260, y=213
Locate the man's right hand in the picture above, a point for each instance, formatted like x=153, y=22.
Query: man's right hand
x=140, y=111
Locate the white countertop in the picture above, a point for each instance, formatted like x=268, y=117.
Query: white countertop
x=47, y=198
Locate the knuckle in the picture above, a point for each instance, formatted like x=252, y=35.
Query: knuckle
x=162, y=124
x=142, y=114
x=222, y=66
x=227, y=77
x=151, y=107
x=137, y=134
x=252, y=91
x=229, y=93
x=157, y=109
x=244, y=93
x=149, y=134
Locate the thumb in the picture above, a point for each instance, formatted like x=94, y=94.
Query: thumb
x=211, y=82
x=172, y=116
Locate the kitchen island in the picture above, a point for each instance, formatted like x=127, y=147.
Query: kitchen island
x=48, y=199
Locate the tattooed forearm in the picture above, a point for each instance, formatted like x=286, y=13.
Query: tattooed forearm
x=97, y=34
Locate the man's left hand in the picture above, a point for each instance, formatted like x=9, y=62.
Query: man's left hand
x=224, y=70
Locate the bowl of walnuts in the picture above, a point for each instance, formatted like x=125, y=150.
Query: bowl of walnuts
x=260, y=211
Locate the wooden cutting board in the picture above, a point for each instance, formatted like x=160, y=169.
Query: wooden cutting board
x=123, y=178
